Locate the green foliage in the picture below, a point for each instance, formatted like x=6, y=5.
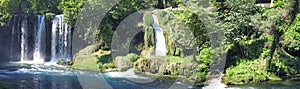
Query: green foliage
x=169, y=3
x=125, y=62
x=108, y=65
x=284, y=64
x=138, y=65
x=252, y=32
x=50, y=16
x=195, y=24
x=71, y=9
x=148, y=30
x=117, y=13
x=173, y=66
x=205, y=56
x=133, y=57
x=278, y=3
x=173, y=59
x=147, y=18
x=202, y=72
x=205, y=59
x=250, y=50
x=178, y=35
x=236, y=16
x=87, y=62
x=267, y=21
x=291, y=38
x=7, y=9
x=87, y=59
x=45, y=6
x=104, y=58
x=247, y=72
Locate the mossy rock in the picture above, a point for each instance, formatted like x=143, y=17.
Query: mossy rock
x=88, y=62
x=170, y=66
x=92, y=58
x=63, y=62
x=122, y=63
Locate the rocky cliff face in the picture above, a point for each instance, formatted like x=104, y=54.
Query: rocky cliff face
x=4, y=44
x=10, y=37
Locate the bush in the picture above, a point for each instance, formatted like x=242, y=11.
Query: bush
x=205, y=56
x=278, y=3
x=172, y=66
x=284, y=64
x=247, y=72
x=108, y=65
x=132, y=57
x=291, y=38
x=139, y=65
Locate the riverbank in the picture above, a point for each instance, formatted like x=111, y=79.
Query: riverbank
x=46, y=76
x=86, y=79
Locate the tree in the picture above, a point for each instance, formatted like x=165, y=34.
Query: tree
x=71, y=10
x=7, y=9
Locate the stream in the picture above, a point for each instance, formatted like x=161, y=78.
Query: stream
x=31, y=76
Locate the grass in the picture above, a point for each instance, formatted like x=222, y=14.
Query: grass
x=92, y=61
x=88, y=62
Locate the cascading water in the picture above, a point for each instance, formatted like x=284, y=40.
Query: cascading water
x=32, y=43
x=39, y=40
x=61, y=40
x=160, y=46
x=15, y=40
x=24, y=40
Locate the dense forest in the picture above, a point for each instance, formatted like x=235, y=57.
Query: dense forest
x=245, y=40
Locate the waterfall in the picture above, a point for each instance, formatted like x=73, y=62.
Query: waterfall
x=60, y=40
x=39, y=40
x=16, y=39
x=32, y=43
x=24, y=40
x=12, y=40
x=160, y=46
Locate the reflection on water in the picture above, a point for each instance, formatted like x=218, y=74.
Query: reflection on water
x=27, y=76
x=289, y=83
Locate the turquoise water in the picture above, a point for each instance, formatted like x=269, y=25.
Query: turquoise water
x=28, y=76
x=284, y=84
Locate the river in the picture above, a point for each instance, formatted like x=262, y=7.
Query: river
x=30, y=76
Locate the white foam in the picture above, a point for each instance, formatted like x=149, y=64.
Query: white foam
x=216, y=83
x=130, y=75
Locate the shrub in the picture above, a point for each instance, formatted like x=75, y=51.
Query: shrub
x=139, y=65
x=205, y=56
x=247, y=72
x=108, y=65
x=132, y=57
x=291, y=38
